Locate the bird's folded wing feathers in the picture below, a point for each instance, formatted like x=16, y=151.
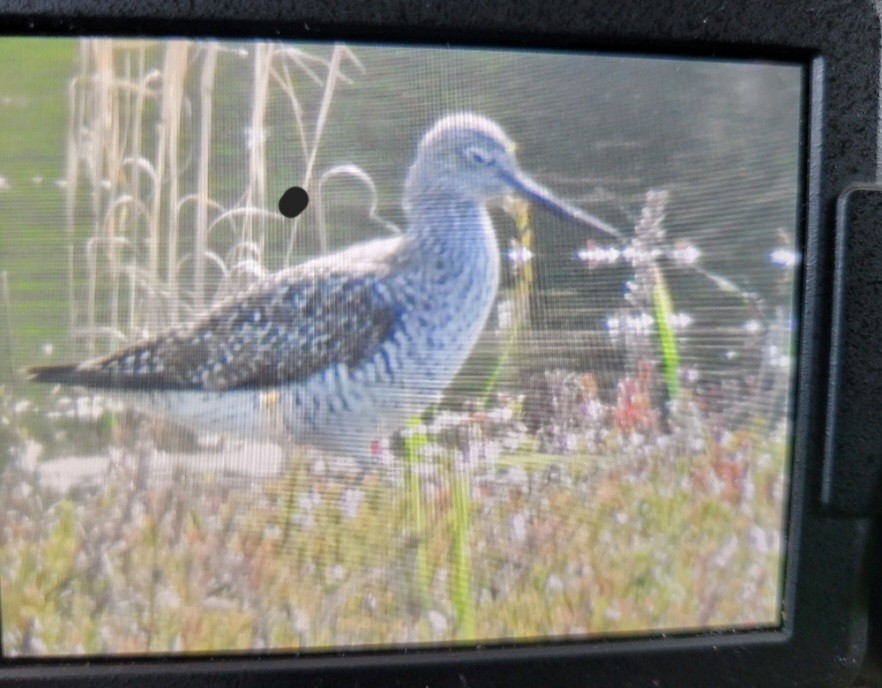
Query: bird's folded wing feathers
x=285, y=329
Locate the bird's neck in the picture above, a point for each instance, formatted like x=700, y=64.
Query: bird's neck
x=451, y=266
x=450, y=227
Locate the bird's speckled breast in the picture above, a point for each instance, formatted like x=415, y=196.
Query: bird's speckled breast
x=442, y=299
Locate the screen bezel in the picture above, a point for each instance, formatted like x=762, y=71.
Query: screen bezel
x=824, y=608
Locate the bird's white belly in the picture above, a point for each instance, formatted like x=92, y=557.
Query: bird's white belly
x=247, y=413
x=345, y=409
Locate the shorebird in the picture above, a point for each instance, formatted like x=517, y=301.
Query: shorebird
x=344, y=349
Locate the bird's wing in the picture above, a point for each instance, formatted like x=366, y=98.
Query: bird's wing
x=283, y=329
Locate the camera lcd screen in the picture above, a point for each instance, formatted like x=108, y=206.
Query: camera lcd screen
x=313, y=346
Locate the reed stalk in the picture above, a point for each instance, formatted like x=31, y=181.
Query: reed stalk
x=71, y=180
x=154, y=227
x=206, y=102
x=95, y=168
x=114, y=99
x=7, y=321
x=136, y=156
x=327, y=96
x=175, y=70
x=255, y=194
x=520, y=312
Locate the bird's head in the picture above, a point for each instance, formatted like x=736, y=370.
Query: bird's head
x=465, y=156
x=469, y=157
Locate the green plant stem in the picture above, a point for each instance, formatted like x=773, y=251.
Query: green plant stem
x=461, y=593
x=664, y=309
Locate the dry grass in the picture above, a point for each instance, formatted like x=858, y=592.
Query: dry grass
x=142, y=116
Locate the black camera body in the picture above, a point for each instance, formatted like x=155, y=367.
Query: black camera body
x=830, y=581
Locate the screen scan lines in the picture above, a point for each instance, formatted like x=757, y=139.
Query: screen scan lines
x=631, y=410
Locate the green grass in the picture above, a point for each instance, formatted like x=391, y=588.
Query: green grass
x=34, y=76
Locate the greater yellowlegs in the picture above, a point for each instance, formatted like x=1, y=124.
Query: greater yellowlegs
x=343, y=349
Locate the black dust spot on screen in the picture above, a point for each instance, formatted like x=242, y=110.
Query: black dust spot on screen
x=293, y=201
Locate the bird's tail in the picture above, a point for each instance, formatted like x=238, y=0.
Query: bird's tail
x=95, y=377
x=65, y=374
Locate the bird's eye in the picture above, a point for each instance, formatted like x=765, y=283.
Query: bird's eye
x=479, y=157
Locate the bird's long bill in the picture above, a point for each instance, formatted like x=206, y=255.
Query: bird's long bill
x=534, y=191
